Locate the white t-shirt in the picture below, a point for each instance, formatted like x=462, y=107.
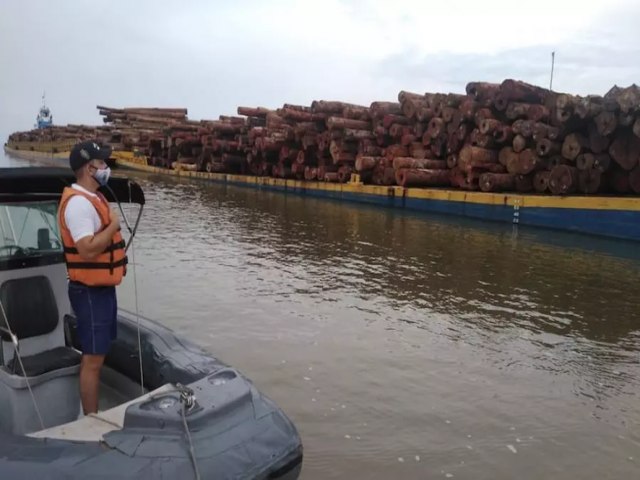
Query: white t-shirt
x=81, y=216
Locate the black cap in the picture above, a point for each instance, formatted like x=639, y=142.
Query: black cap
x=83, y=152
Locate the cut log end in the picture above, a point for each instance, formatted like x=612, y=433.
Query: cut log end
x=519, y=143
x=541, y=181
x=589, y=181
x=547, y=148
x=563, y=180
x=573, y=145
x=606, y=123
x=585, y=161
x=625, y=150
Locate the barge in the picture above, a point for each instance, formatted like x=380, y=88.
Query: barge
x=605, y=216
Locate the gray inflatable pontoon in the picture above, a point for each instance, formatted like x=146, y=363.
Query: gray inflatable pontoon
x=194, y=417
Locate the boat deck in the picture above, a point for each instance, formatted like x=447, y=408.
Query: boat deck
x=93, y=427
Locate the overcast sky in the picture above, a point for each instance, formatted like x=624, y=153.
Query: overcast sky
x=211, y=56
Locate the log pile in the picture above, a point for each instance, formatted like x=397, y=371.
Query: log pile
x=155, y=132
x=170, y=140
x=66, y=133
x=125, y=129
x=57, y=139
x=507, y=137
x=515, y=137
x=498, y=137
x=319, y=142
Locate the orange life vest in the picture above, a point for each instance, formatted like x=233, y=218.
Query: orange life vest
x=106, y=269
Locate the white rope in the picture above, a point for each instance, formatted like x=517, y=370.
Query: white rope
x=17, y=353
x=135, y=293
x=135, y=284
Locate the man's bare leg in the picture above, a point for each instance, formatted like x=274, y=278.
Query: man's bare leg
x=90, y=381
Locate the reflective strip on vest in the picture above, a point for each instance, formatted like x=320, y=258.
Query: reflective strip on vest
x=95, y=266
x=110, y=248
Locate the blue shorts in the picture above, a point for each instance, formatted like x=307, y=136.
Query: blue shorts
x=96, y=309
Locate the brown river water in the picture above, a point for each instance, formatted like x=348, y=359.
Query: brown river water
x=404, y=346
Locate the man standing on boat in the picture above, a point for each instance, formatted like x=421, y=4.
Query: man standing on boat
x=96, y=262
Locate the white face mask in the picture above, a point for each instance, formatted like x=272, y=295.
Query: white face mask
x=102, y=176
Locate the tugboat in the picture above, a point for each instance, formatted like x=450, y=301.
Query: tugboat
x=45, y=117
x=172, y=409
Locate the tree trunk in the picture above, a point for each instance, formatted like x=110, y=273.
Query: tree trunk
x=497, y=182
x=422, y=178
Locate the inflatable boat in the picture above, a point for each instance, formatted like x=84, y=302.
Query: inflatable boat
x=168, y=409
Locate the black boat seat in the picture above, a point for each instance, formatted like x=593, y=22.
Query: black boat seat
x=50, y=376
x=30, y=307
x=43, y=362
x=32, y=312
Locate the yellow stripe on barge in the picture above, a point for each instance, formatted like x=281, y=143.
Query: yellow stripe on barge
x=610, y=216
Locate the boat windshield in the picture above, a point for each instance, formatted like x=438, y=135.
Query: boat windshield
x=29, y=230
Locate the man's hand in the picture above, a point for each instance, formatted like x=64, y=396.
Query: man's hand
x=91, y=246
x=114, y=219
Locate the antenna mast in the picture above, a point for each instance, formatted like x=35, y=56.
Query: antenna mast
x=553, y=59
